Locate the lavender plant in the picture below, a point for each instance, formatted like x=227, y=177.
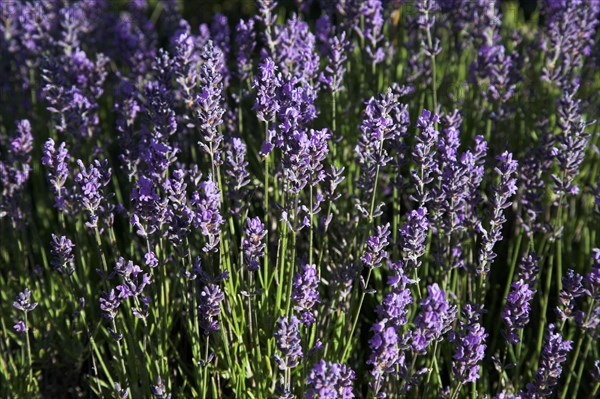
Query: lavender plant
x=307, y=199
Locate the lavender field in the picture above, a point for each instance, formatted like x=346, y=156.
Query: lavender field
x=299, y=199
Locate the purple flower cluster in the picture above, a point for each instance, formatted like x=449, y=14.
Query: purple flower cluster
x=209, y=308
x=62, y=254
x=287, y=338
x=506, y=188
x=412, y=237
x=434, y=319
x=470, y=346
x=375, y=253
x=554, y=354
x=253, y=243
x=330, y=380
x=305, y=292
x=14, y=172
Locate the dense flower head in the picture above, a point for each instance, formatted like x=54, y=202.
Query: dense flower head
x=572, y=288
x=14, y=172
x=333, y=74
x=92, y=181
x=266, y=83
x=516, y=312
x=554, y=354
x=237, y=175
x=413, y=235
x=329, y=380
x=383, y=129
x=56, y=161
x=572, y=143
x=295, y=53
x=253, y=243
x=394, y=306
x=23, y=301
x=287, y=340
x=109, y=303
x=385, y=352
x=206, y=205
x=209, y=308
x=305, y=292
x=375, y=253
x=304, y=154
x=423, y=155
x=529, y=268
x=434, y=319
x=62, y=254
x=245, y=38
x=470, y=347
x=372, y=29
x=506, y=188
x=209, y=110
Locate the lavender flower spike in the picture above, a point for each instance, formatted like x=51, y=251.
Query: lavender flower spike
x=330, y=380
x=506, y=188
x=287, y=339
x=62, y=254
x=253, y=244
x=210, y=308
x=434, y=320
x=470, y=348
x=412, y=237
x=305, y=293
x=516, y=312
x=23, y=301
x=554, y=354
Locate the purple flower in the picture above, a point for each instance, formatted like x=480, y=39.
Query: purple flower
x=474, y=161
x=423, y=156
x=58, y=172
x=206, y=205
x=529, y=268
x=295, y=53
x=14, y=172
x=333, y=74
x=329, y=380
x=371, y=12
x=375, y=253
x=554, y=354
x=209, y=308
x=245, y=38
x=394, y=306
x=209, y=110
x=434, y=319
x=23, y=301
x=385, y=353
x=268, y=18
x=266, y=84
x=572, y=144
x=305, y=292
x=516, y=312
x=412, y=237
x=536, y=163
x=237, y=174
x=20, y=327
x=570, y=37
x=287, y=340
x=160, y=390
x=62, y=254
x=572, y=288
x=253, y=244
x=91, y=197
x=384, y=126
x=470, y=347
x=109, y=303
x=505, y=189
